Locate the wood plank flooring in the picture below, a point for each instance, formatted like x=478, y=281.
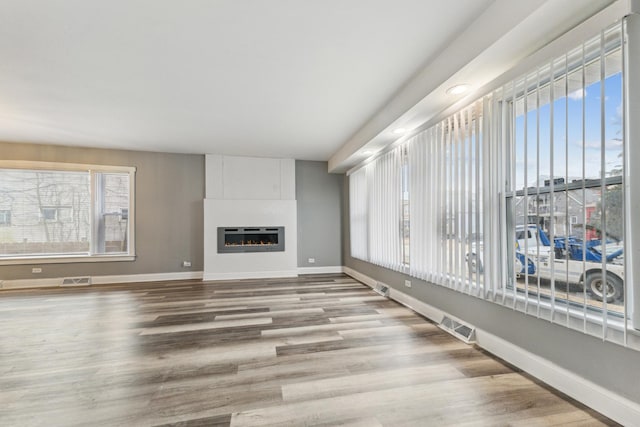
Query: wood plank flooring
x=313, y=351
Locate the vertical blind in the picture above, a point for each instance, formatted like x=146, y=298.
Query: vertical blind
x=385, y=205
x=358, y=206
x=564, y=180
x=375, y=209
x=517, y=198
x=446, y=196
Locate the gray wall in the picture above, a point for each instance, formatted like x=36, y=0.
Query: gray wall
x=319, y=199
x=609, y=365
x=169, y=211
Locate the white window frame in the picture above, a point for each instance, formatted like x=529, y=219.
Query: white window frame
x=631, y=108
x=92, y=256
x=405, y=219
x=622, y=329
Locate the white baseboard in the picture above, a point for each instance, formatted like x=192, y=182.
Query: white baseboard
x=420, y=307
x=320, y=270
x=612, y=405
x=159, y=277
x=360, y=277
x=151, y=277
x=250, y=275
x=428, y=311
x=102, y=280
x=31, y=283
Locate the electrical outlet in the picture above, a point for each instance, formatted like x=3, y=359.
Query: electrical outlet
x=36, y=270
x=312, y=260
x=186, y=263
x=407, y=283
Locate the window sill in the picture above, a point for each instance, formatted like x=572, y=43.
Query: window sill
x=616, y=329
x=66, y=259
x=610, y=327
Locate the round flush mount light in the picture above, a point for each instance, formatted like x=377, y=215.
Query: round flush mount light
x=458, y=89
x=399, y=131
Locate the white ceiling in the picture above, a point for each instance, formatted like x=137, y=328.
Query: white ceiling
x=507, y=36
x=303, y=79
x=277, y=78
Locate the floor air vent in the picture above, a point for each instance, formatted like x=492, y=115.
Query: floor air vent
x=459, y=330
x=382, y=289
x=76, y=281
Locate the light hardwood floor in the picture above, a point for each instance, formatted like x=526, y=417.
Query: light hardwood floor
x=317, y=350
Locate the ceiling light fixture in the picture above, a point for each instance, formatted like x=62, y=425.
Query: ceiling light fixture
x=457, y=89
x=367, y=153
x=399, y=131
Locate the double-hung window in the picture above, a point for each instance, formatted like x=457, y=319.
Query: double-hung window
x=58, y=212
x=563, y=175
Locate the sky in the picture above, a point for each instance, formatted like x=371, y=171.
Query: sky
x=568, y=157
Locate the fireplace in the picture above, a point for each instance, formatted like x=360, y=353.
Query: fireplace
x=250, y=239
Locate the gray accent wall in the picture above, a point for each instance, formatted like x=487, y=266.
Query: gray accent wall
x=611, y=366
x=169, y=210
x=319, y=198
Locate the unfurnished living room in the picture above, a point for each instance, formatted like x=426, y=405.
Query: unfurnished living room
x=319, y=213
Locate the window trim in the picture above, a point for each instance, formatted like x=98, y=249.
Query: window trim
x=91, y=169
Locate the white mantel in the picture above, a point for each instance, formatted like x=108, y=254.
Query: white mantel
x=249, y=191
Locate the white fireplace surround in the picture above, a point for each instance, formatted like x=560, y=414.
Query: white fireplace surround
x=249, y=191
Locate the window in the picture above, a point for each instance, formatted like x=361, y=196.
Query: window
x=59, y=213
x=49, y=214
x=406, y=211
x=358, y=205
x=564, y=184
x=62, y=212
x=445, y=189
x=376, y=206
x=519, y=198
x=402, y=219
x=385, y=205
x=520, y=235
x=5, y=217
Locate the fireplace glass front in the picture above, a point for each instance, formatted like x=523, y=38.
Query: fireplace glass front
x=250, y=239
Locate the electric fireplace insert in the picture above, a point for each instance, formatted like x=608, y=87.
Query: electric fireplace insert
x=250, y=239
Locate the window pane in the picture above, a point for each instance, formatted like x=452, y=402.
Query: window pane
x=358, y=214
x=405, y=210
x=567, y=210
x=5, y=217
x=612, y=250
x=113, y=217
x=46, y=212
